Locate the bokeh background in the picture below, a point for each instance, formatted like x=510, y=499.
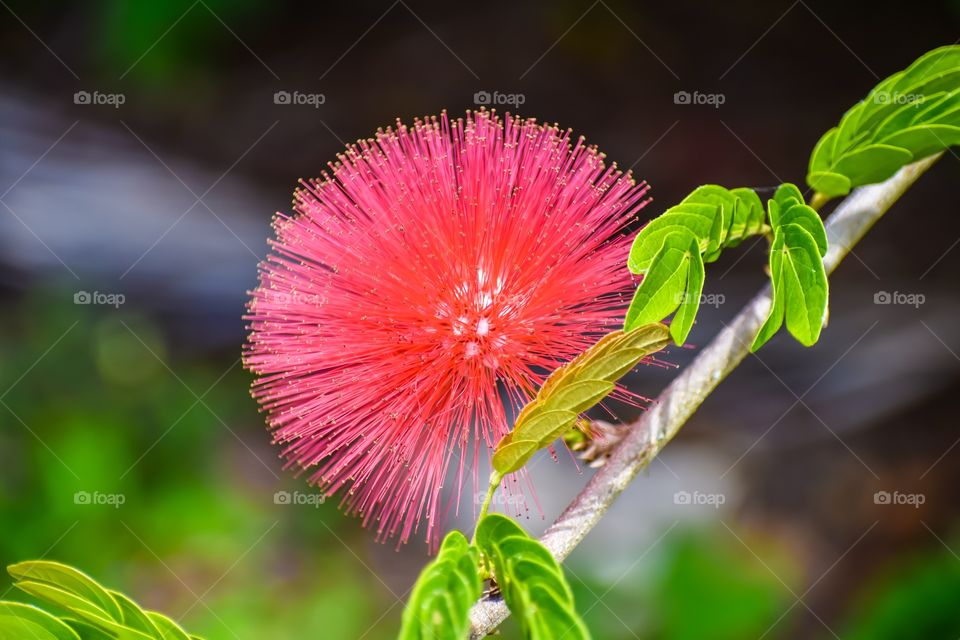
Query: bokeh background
x=143, y=149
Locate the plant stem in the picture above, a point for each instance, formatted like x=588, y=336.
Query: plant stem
x=495, y=479
x=658, y=425
x=818, y=200
x=488, y=498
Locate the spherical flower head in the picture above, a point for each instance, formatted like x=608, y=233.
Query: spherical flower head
x=419, y=295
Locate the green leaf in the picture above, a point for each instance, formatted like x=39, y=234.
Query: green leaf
x=135, y=617
x=797, y=276
x=774, y=319
x=693, y=218
x=70, y=580
x=496, y=528
x=439, y=605
x=872, y=163
x=87, y=631
x=804, y=283
x=925, y=140
x=544, y=427
x=750, y=211
x=910, y=115
x=787, y=195
x=71, y=602
x=537, y=561
x=674, y=281
x=829, y=183
x=716, y=217
x=800, y=289
x=661, y=290
x=559, y=621
x=724, y=204
x=941, y=108
x=578, y=396
x=533, y=584
x=169, y=630
x=807, y=218
x=513, y=455
x=671, y=250
x=615, y=365
x=822, y=152
x=687, y=312
x=26, y=622
x=101, y=613
x=650, y=338
x=572, y=389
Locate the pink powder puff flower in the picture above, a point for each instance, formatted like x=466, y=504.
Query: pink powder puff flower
x=420, y=294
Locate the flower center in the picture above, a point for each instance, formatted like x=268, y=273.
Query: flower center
x=472, y=322
x=474, y=334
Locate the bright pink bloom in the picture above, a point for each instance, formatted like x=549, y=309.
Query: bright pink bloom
x=433, y=277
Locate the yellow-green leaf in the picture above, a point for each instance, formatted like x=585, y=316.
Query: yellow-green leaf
x=26, y=622
x=69, y=579
x=543, y=428
x=513, y=455
x=578, y=396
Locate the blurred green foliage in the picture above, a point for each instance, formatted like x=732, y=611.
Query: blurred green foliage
x=916, y=600
x=735, y=593
x=703, y=583
x=99, y=400
x=161, y=41
x=101, y=405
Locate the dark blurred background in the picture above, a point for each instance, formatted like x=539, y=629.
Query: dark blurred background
x=144, y=146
